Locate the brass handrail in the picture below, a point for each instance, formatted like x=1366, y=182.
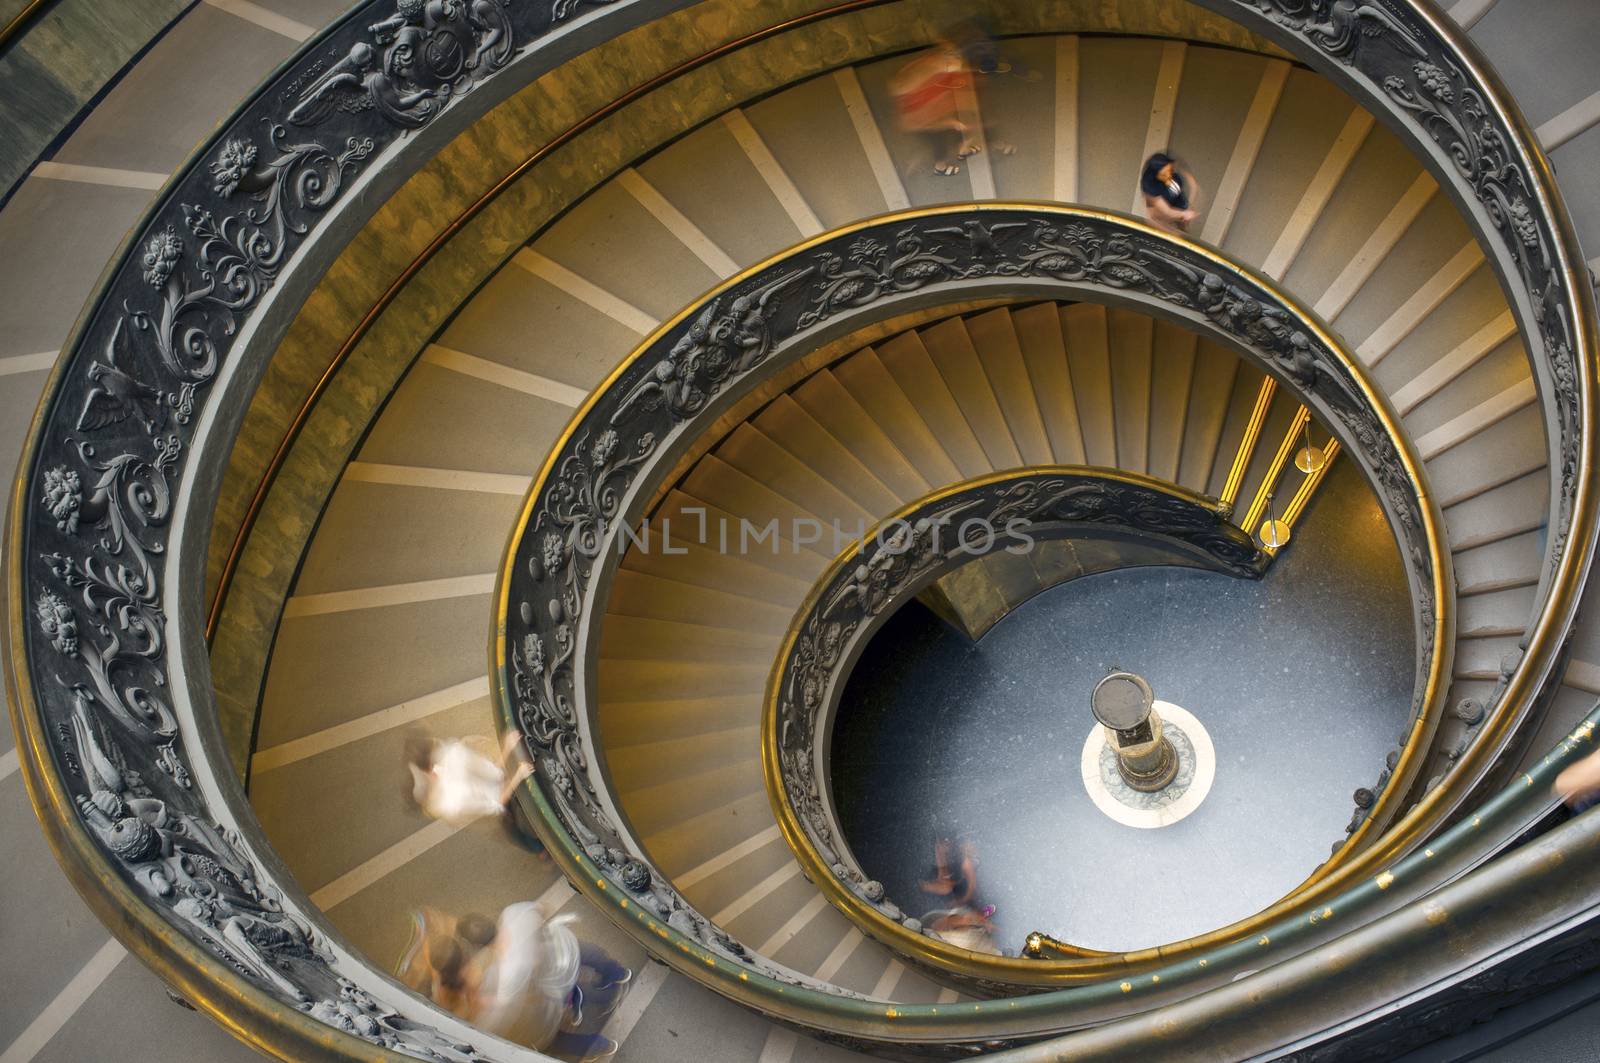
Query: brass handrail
x=1247, y=445
x=1280, y=458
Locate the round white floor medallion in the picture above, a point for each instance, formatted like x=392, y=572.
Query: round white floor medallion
x=1197, y=769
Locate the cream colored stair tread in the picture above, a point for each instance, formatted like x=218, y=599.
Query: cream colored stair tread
x=1131, y=341
x=873, y=387
x=528, y=323
x=373, y=535
x=706, y=170
x=760, y=457
x=1116, y=83
x=640, y=767
x=1429, y=244
x=637, y=594
x=914, y=153
x=625, y=680
x=951, y=351
x=656, y=808
x=1018, y=109
x=1044, y=351
x=842, y=416
x=1498, y=613
x=1506, y=510
x=333, y=668
x=1309, y=119
x=691, y=842
x=793, y=428
x=729, y=572
x=1460, y=317
x=1507, y=563
x=698, y=521
x=1214, y=100
x=993, y=336
x=1481, y=658
x=366, y=781
x=1216, y=376
x=1491, y=389
x=640, y=638
x=629, y=723
x=809, y=132
x=610, y=226
x=1500, y=453
x=738, y=493
x=1172, y=371
x=1085, y=330
x=732, y=882
x=1378, y=178
x=913, y=370
x=440, y=419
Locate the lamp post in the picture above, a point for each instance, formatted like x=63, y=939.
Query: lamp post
x=1125, y=706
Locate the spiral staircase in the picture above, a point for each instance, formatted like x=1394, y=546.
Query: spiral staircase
x=419, y=374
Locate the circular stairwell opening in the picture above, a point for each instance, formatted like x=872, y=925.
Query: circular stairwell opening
x=1303, y=681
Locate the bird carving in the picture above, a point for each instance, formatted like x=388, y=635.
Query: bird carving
x=982, y=238
x=114, y=395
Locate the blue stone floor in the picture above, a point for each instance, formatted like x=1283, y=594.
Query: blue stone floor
x=1304, y=681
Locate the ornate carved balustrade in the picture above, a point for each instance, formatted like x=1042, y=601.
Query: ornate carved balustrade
x=105, y=547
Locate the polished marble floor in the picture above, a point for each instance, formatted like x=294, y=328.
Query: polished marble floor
x=1303, y=680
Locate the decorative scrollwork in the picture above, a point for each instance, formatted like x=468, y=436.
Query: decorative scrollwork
x=114, y=443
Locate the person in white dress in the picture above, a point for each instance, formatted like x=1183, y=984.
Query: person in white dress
x=460, y=780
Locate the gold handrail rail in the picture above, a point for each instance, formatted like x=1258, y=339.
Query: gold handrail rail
x=1258, y=505
x=1247, y=445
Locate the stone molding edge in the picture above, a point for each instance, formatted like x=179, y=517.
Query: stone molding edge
x=369, y=92
x=562, y=552
x=898, y=558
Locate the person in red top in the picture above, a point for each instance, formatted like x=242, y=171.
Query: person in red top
x=933, y=95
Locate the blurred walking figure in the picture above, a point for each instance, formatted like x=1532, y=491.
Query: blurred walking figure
x=935, y=95
x=460, y=780
x=1579, y=784
x=438, y=963
x=930, y=94
x=525, y=977
x=1170, y=194
x=962, y=918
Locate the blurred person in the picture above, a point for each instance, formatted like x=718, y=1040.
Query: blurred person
x=961, y=918
x=459, y=780
x=535, y=983
x=933, y=95
x=1170, y=193
x=438, y=962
